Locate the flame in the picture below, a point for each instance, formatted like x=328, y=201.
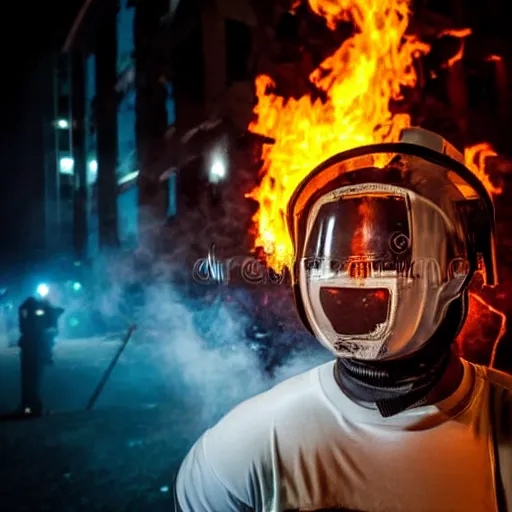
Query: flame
x=359, y=80
x=295, y=5
x=460, y=34
x=475, y=158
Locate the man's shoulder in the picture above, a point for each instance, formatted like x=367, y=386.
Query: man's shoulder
x=496, y=378
x=240, y=448
x=251, y=425
x=294, y=394
x=501, y=384
x=500, y=379
x=500, y=389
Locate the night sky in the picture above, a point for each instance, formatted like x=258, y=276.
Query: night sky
x=30, y=30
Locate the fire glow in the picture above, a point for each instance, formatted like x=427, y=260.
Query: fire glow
x=360, y=81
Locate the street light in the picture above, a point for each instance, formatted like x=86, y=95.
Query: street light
x=217, y=171
x=63, y=124
x=43, y=290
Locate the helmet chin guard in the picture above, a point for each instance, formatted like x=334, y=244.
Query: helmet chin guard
x=386, y=237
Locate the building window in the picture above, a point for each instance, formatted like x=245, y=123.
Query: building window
x=90, y=136
x=125, y=38
x=170, y=107
x=171, y=205
x=66, y=165
x=92, y=171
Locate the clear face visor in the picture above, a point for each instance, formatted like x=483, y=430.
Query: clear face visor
x=379, y=266
x=352, y=240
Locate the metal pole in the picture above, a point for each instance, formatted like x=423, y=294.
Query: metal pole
x=111, y=366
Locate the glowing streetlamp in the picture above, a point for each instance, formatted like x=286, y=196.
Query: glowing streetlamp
x=218, y=171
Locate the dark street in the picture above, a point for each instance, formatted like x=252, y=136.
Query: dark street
x=124, y=454
x=120, y=458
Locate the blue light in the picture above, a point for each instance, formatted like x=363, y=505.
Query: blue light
x=74, y=322
x=43, y=290
x=77, y=286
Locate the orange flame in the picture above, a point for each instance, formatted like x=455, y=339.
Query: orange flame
x=295, y=5
x=461, y=34
x=360, y=80
x=476, y=159
x=454, y=32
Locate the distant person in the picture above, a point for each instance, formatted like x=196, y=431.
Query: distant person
x=38, y=321
x=387, y=239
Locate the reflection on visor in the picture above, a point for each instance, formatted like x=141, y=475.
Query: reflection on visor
x=354, y=227
x=353, y=311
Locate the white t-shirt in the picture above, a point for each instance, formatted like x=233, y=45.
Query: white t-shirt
x=303, y=445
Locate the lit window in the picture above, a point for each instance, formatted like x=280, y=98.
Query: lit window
x=67, y=165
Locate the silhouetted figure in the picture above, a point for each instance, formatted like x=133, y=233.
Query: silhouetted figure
x=38, y=321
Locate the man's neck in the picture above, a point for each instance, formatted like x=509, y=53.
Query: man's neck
x=424, y=378
x=449, y=382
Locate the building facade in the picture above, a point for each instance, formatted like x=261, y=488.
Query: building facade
x=165, y=92
x=102, y=159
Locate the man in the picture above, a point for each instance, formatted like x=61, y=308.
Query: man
x=387, y=239
x=38, y=321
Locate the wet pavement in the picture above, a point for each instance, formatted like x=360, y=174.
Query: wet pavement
x=108, y=459
x=123, y=455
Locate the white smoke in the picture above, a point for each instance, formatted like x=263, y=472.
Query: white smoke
x=197, y=339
